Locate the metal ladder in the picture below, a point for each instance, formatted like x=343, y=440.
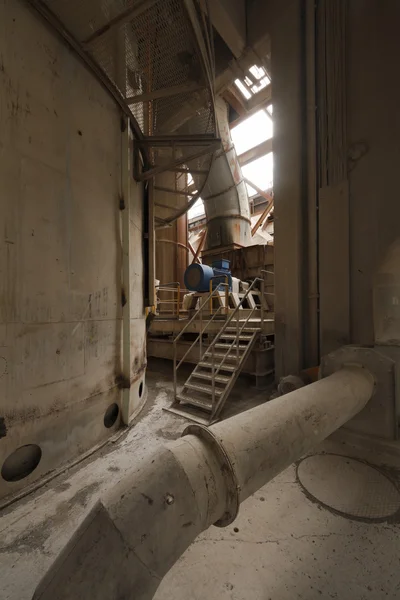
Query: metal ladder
x=206, y=390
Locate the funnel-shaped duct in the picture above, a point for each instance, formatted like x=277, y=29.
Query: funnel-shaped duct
x=225, y=196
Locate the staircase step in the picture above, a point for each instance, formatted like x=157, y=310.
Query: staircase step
x=203, y=403
x=220, y=355
x=232, y=336
x=244, y=330
x=226, y=346
x=203, y=389
x=208, y=377
x=225, y=366
x=190, y=412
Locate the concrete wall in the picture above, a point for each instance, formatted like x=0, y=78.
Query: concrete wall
x=373, y=138
x=60, y=257
x=282, y=20
x=370, y=224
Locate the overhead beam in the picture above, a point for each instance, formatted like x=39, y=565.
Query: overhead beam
x=179, y=140
x=265, y=194
x=229, y=19
x=262, y=97
x=164, y=93
x=238, y=104
x=256, y=152
x=192, y=250
x=200, y=246
x=190, y=171
x=127, y=15
x=176, y=163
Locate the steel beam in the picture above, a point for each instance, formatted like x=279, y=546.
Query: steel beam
x=256, y=152
x=164, y=93
x=176, y=163
x=127, y=15
x=179, y=140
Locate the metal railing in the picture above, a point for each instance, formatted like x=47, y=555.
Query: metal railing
x=240, y=326
x=199, y=312
x=175, y=301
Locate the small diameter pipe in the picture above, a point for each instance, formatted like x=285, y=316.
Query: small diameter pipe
x=130, y=539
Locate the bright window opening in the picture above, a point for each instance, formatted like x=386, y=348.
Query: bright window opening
x=260, y=172
x=263, y=83
x=197, y=209
x=252, y=131
x=258, y=72
x=253, y=83
x=239, y=84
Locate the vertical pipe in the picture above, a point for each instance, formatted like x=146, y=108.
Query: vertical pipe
x=152, y=245
x=213, y=378
x=262, y=302
x=126, y=309
x=175, y=369
x=289, y=194
x=237, y=340
x=201, y=335
x=311, y=333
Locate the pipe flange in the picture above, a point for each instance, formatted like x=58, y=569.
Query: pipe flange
x=378, y=418
x=227, y=470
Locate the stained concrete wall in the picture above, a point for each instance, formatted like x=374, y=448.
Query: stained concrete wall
x=373, y=132
x=373, y=98
x=283, y=21
x=60, y=257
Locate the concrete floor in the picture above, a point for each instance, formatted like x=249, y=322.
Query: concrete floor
x=285, y=543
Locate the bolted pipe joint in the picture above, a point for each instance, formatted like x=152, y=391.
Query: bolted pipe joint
x=133, y=536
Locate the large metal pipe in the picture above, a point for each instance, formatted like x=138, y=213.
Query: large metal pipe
x=226, y=202
x=131, y=538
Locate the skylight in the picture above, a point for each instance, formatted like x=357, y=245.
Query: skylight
x=239, y=84
x=197, y=209
x=253, y=83
x=258, y=72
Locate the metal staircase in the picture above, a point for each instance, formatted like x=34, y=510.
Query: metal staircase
x=207, y=389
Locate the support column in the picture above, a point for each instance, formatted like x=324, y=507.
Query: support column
x=287, y=35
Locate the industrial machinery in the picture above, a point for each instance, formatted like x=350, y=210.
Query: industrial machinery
x=228, y=329
x=199, y=277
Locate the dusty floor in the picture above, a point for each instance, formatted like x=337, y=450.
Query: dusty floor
x=284, y=544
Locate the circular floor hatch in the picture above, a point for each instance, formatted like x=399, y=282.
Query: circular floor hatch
x=349, y=486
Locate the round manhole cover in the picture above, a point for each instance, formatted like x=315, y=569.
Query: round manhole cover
x=349, y=486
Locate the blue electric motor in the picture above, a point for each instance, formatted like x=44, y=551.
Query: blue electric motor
x=197, y=277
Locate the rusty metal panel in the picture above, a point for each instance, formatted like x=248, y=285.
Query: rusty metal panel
x=334, y=260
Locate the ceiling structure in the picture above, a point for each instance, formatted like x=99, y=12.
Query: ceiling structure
x=163, y=61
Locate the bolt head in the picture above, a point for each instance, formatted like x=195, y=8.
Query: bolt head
x=169, y=499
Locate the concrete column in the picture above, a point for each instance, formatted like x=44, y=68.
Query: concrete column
x=284, y=22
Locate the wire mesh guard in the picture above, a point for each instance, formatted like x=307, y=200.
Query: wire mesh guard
x=151, y=52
